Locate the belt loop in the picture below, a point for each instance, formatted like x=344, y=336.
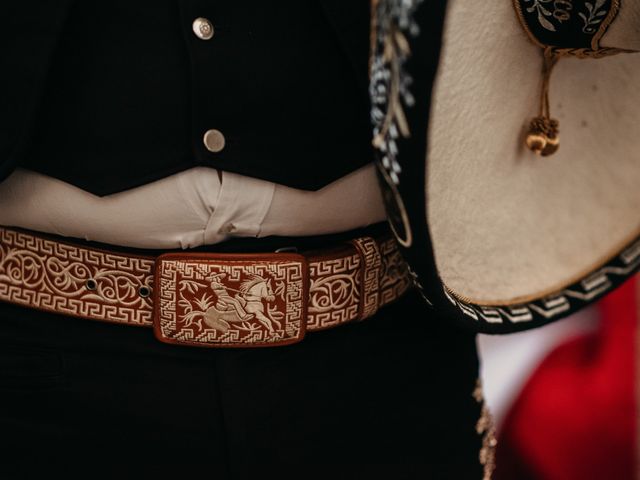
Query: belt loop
x=371, y=260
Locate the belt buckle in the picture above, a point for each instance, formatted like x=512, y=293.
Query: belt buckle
x=230, y=300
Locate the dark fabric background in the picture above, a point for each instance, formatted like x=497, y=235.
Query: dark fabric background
x=113, y=95
x=389, y=397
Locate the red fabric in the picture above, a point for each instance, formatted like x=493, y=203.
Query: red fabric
x=576, y=416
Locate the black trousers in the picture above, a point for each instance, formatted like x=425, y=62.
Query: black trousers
x=389, y=397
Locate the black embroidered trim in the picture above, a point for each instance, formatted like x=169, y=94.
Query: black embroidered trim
x=566, y=24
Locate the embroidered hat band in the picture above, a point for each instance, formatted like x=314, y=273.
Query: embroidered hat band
x=204, y=299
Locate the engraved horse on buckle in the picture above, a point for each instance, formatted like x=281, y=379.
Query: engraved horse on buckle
x=226, y=301
x=244, y=306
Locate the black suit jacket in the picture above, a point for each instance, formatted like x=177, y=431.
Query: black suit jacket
x=111, y=95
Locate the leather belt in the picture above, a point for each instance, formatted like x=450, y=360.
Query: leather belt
x=204, y=299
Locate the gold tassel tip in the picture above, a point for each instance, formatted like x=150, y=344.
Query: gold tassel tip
x=536, y=142
x=543, y=137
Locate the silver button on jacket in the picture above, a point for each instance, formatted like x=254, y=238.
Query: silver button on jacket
x=203, y=28
x=214, y=140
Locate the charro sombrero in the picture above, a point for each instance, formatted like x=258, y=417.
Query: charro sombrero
x=514, y=193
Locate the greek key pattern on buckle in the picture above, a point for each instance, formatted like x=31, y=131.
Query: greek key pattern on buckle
x=230, y=300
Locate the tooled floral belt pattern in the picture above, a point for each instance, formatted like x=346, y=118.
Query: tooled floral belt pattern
x=203, y=298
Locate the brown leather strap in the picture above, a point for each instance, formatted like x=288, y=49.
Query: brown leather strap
x=204, y=299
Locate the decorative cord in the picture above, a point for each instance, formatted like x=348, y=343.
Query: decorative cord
x=543, y=137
